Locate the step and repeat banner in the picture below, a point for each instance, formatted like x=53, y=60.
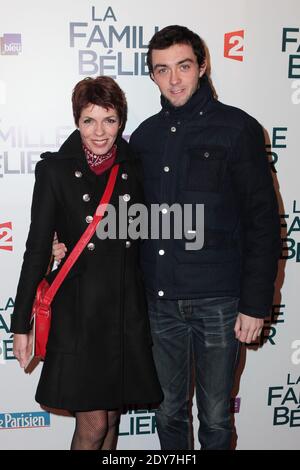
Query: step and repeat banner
x=254, y=47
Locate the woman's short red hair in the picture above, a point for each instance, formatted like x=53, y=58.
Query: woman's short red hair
x=102, y=91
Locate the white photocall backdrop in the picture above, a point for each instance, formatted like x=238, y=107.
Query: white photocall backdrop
x=255, y=63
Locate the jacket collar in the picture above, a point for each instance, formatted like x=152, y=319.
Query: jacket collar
x=198, y=102
x=72, y=148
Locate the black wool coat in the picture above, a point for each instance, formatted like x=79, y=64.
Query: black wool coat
x=99, y=350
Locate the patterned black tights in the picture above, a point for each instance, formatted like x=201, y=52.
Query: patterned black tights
x=95, y=430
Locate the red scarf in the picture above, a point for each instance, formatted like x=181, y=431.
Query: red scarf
x=100, y=163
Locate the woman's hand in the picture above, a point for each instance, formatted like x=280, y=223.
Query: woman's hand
x=58, y=250
x=22, y=347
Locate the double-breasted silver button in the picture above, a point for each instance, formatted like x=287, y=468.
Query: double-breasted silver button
x=166, y=169
x=206, y=154
x=128, y=244
x=173, y=129
x=124, y=176
x=161, y=252
x=86, y=197
x=91, y=246
x=78, y=174
x=161, y=293
x=89, y=219
x=126, y=197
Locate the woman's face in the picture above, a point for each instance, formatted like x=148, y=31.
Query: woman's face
x=98, y=128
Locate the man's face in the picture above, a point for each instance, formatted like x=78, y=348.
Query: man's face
x=176, y=72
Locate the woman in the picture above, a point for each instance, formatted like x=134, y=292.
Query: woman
x=99, y=355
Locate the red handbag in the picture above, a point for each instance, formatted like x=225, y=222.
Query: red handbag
x=41, y=310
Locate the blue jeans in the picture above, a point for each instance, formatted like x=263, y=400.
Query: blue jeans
x=194, y=335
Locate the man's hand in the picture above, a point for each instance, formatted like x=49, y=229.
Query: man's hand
x=58, y=250
x=247, y=329
x=22, y=347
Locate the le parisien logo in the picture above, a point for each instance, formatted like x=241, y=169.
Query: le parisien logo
x=234, y=45
x=6, y=236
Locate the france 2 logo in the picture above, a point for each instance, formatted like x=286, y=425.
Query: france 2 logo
x=6, y=236
x=234, y=45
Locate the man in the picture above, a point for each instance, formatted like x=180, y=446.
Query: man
x=203, y=303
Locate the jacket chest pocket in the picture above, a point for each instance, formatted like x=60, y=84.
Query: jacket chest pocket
x=205, y=169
